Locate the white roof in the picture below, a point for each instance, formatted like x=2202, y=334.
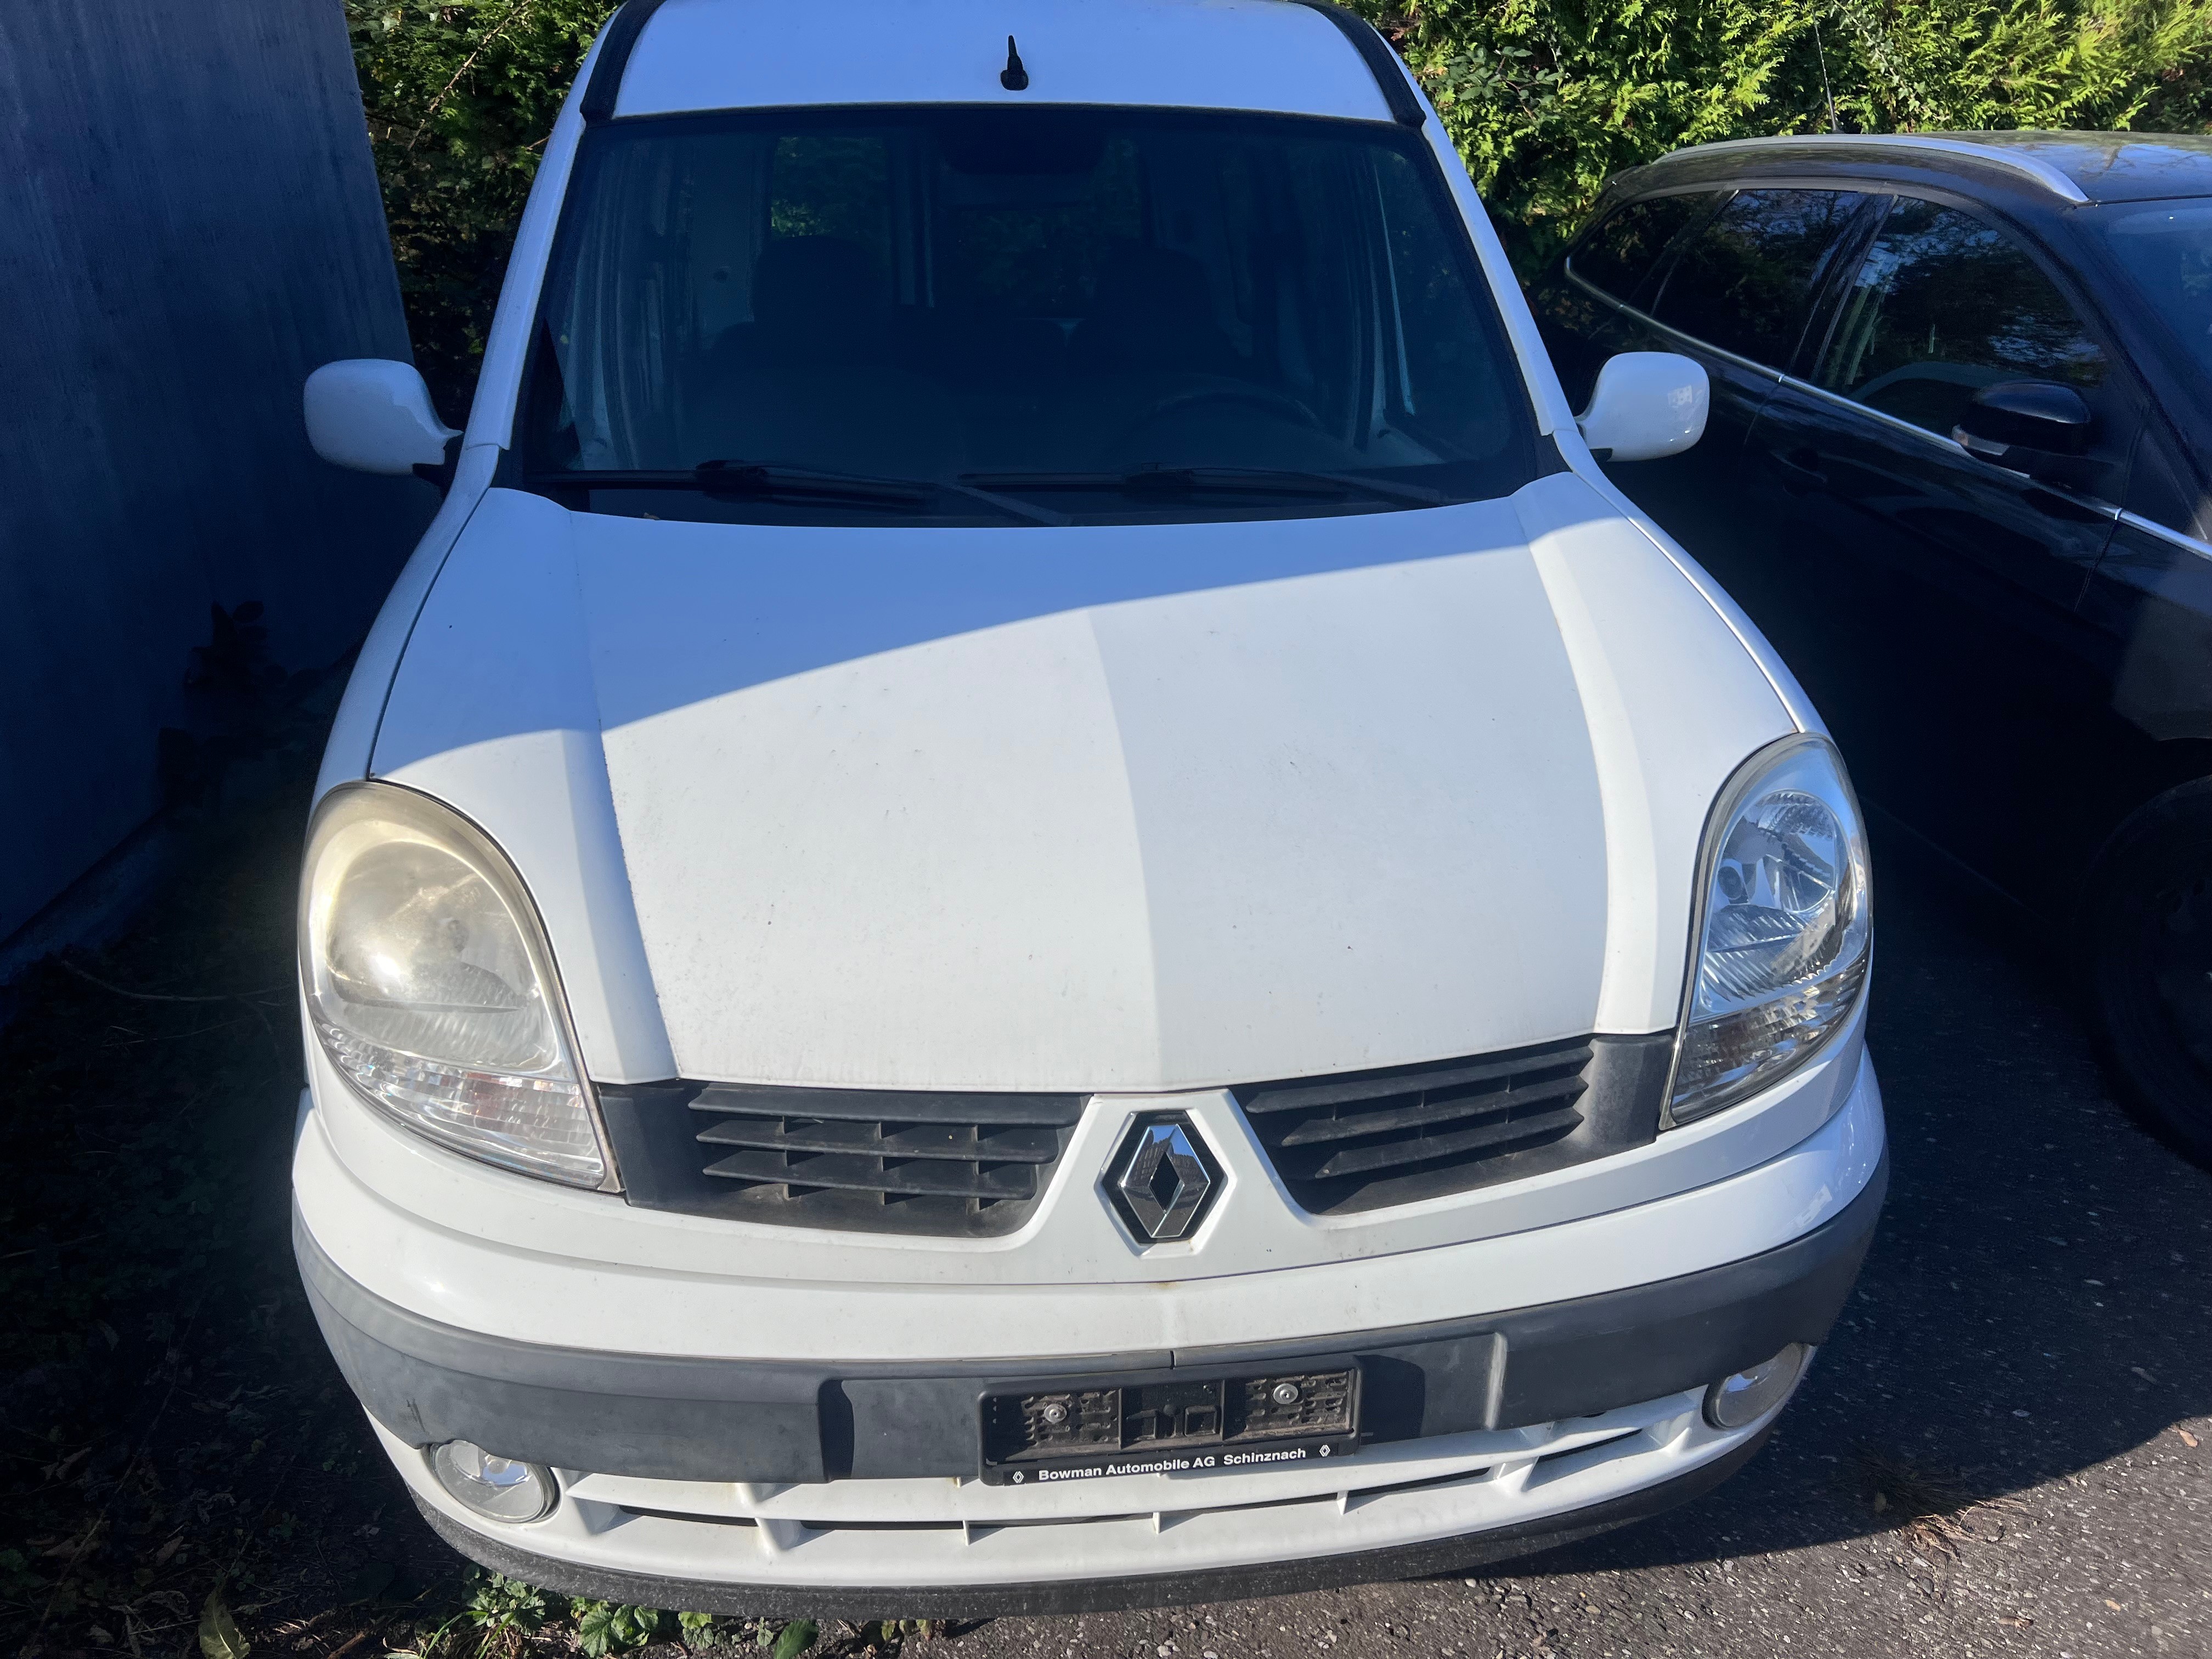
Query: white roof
x=1196, y=54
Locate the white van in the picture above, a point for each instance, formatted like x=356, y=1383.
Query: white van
x=1034, y=900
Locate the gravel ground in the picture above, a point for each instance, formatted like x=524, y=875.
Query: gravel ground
x=2006, y=1447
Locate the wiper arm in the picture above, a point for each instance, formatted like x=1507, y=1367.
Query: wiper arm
x=754, y=481
x=1178, y=481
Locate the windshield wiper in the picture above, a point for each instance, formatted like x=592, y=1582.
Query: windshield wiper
x=753, y=480
x=1173, y=482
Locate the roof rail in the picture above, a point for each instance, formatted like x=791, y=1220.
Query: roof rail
x=1382, y=63
x=605, y=84
x=1999, y=155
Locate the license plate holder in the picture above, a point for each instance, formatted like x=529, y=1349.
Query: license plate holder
x=1226, y=1417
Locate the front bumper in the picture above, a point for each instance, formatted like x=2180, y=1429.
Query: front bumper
x=679, y=1418
x=1491, y=1508
x=758, y=1486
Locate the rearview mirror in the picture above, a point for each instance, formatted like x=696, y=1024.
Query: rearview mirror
x=2041, y=420
x=1647, y=404
x=374, y=416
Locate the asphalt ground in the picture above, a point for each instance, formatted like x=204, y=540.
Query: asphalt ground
x=2006, y=1446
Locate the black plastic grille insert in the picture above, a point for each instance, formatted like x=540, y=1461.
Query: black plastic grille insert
x=1360, y=1140
x=876, y=1160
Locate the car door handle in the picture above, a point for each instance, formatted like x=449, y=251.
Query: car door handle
x=1800, y=469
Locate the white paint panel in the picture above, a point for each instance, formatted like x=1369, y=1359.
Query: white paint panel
x=347, y=753
x=1136, y=810
x=494, y=713
x=914, y=870
x=1368, y=818
x=1674, y=704
x=1203, y=54
x=1338, y=820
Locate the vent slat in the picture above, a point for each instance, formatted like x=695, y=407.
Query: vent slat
x=888, y=1106
x=1489, y=1137
x=1363, y=1140
x=1305, y=1095
x=952, y=1141
x=921, y=1178
x=1322, y=1130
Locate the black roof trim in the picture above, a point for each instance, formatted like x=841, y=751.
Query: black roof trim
x=615, y=47
x=1375, y=52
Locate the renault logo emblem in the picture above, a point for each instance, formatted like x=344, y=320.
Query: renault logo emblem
x=1162, y=1178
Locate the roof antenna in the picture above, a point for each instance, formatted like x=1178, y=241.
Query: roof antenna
x=1013, y=78
x=1829, y=91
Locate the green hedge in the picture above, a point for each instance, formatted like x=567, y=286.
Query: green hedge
x=1545, y=98
x=460, y=96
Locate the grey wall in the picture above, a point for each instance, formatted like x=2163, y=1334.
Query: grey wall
x=189, y=222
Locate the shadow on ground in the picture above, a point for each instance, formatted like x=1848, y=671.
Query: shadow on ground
x=2036, y=1303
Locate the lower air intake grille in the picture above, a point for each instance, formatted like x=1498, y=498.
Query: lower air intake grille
x=1360, y=1140
x=962, y=1165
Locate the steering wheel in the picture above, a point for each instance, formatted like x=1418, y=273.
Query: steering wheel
x=1275, y=403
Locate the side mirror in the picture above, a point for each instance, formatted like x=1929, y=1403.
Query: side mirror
x=1646, y=404
x=374, y=416
x=2033, y=427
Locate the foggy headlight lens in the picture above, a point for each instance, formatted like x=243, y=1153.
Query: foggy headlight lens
x=431, y=989
x=1746, y=1397
x=497, y=1488
x=1785, y=929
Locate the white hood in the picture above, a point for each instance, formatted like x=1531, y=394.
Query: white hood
x=1135, y=809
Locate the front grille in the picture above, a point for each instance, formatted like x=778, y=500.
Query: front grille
x=975, y=1165
x=1360, y=1140
x=875, y=1160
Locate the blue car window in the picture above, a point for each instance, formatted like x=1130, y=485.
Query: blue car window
x=1943, y=305
x=897, y=315
x=1622, y=254
x=2166, y=249
x=1746, y=282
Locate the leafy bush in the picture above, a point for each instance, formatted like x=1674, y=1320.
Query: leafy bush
x=460, y=96
x=1545, y=98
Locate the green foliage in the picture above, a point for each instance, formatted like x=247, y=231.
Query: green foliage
x=1545, y=98
x=605, y=1627
x=1548, y=98
x=503, y=1610
x=460, y=96
x=219, y=1637
x=794, y=1639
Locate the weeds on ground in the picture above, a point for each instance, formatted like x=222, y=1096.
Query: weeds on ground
x=1929, y=1509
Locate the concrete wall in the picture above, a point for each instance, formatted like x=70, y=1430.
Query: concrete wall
x=189, y=222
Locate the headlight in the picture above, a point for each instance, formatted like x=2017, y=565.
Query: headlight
x=1784, y=925
x=431, y=988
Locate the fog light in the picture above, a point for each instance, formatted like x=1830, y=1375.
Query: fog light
x=497, y=1488
x=1750, y=1395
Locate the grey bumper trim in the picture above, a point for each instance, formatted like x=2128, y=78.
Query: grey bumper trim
x=748, y=1419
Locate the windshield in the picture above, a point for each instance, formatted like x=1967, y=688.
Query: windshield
x=925, y=315
x=2167, y=251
